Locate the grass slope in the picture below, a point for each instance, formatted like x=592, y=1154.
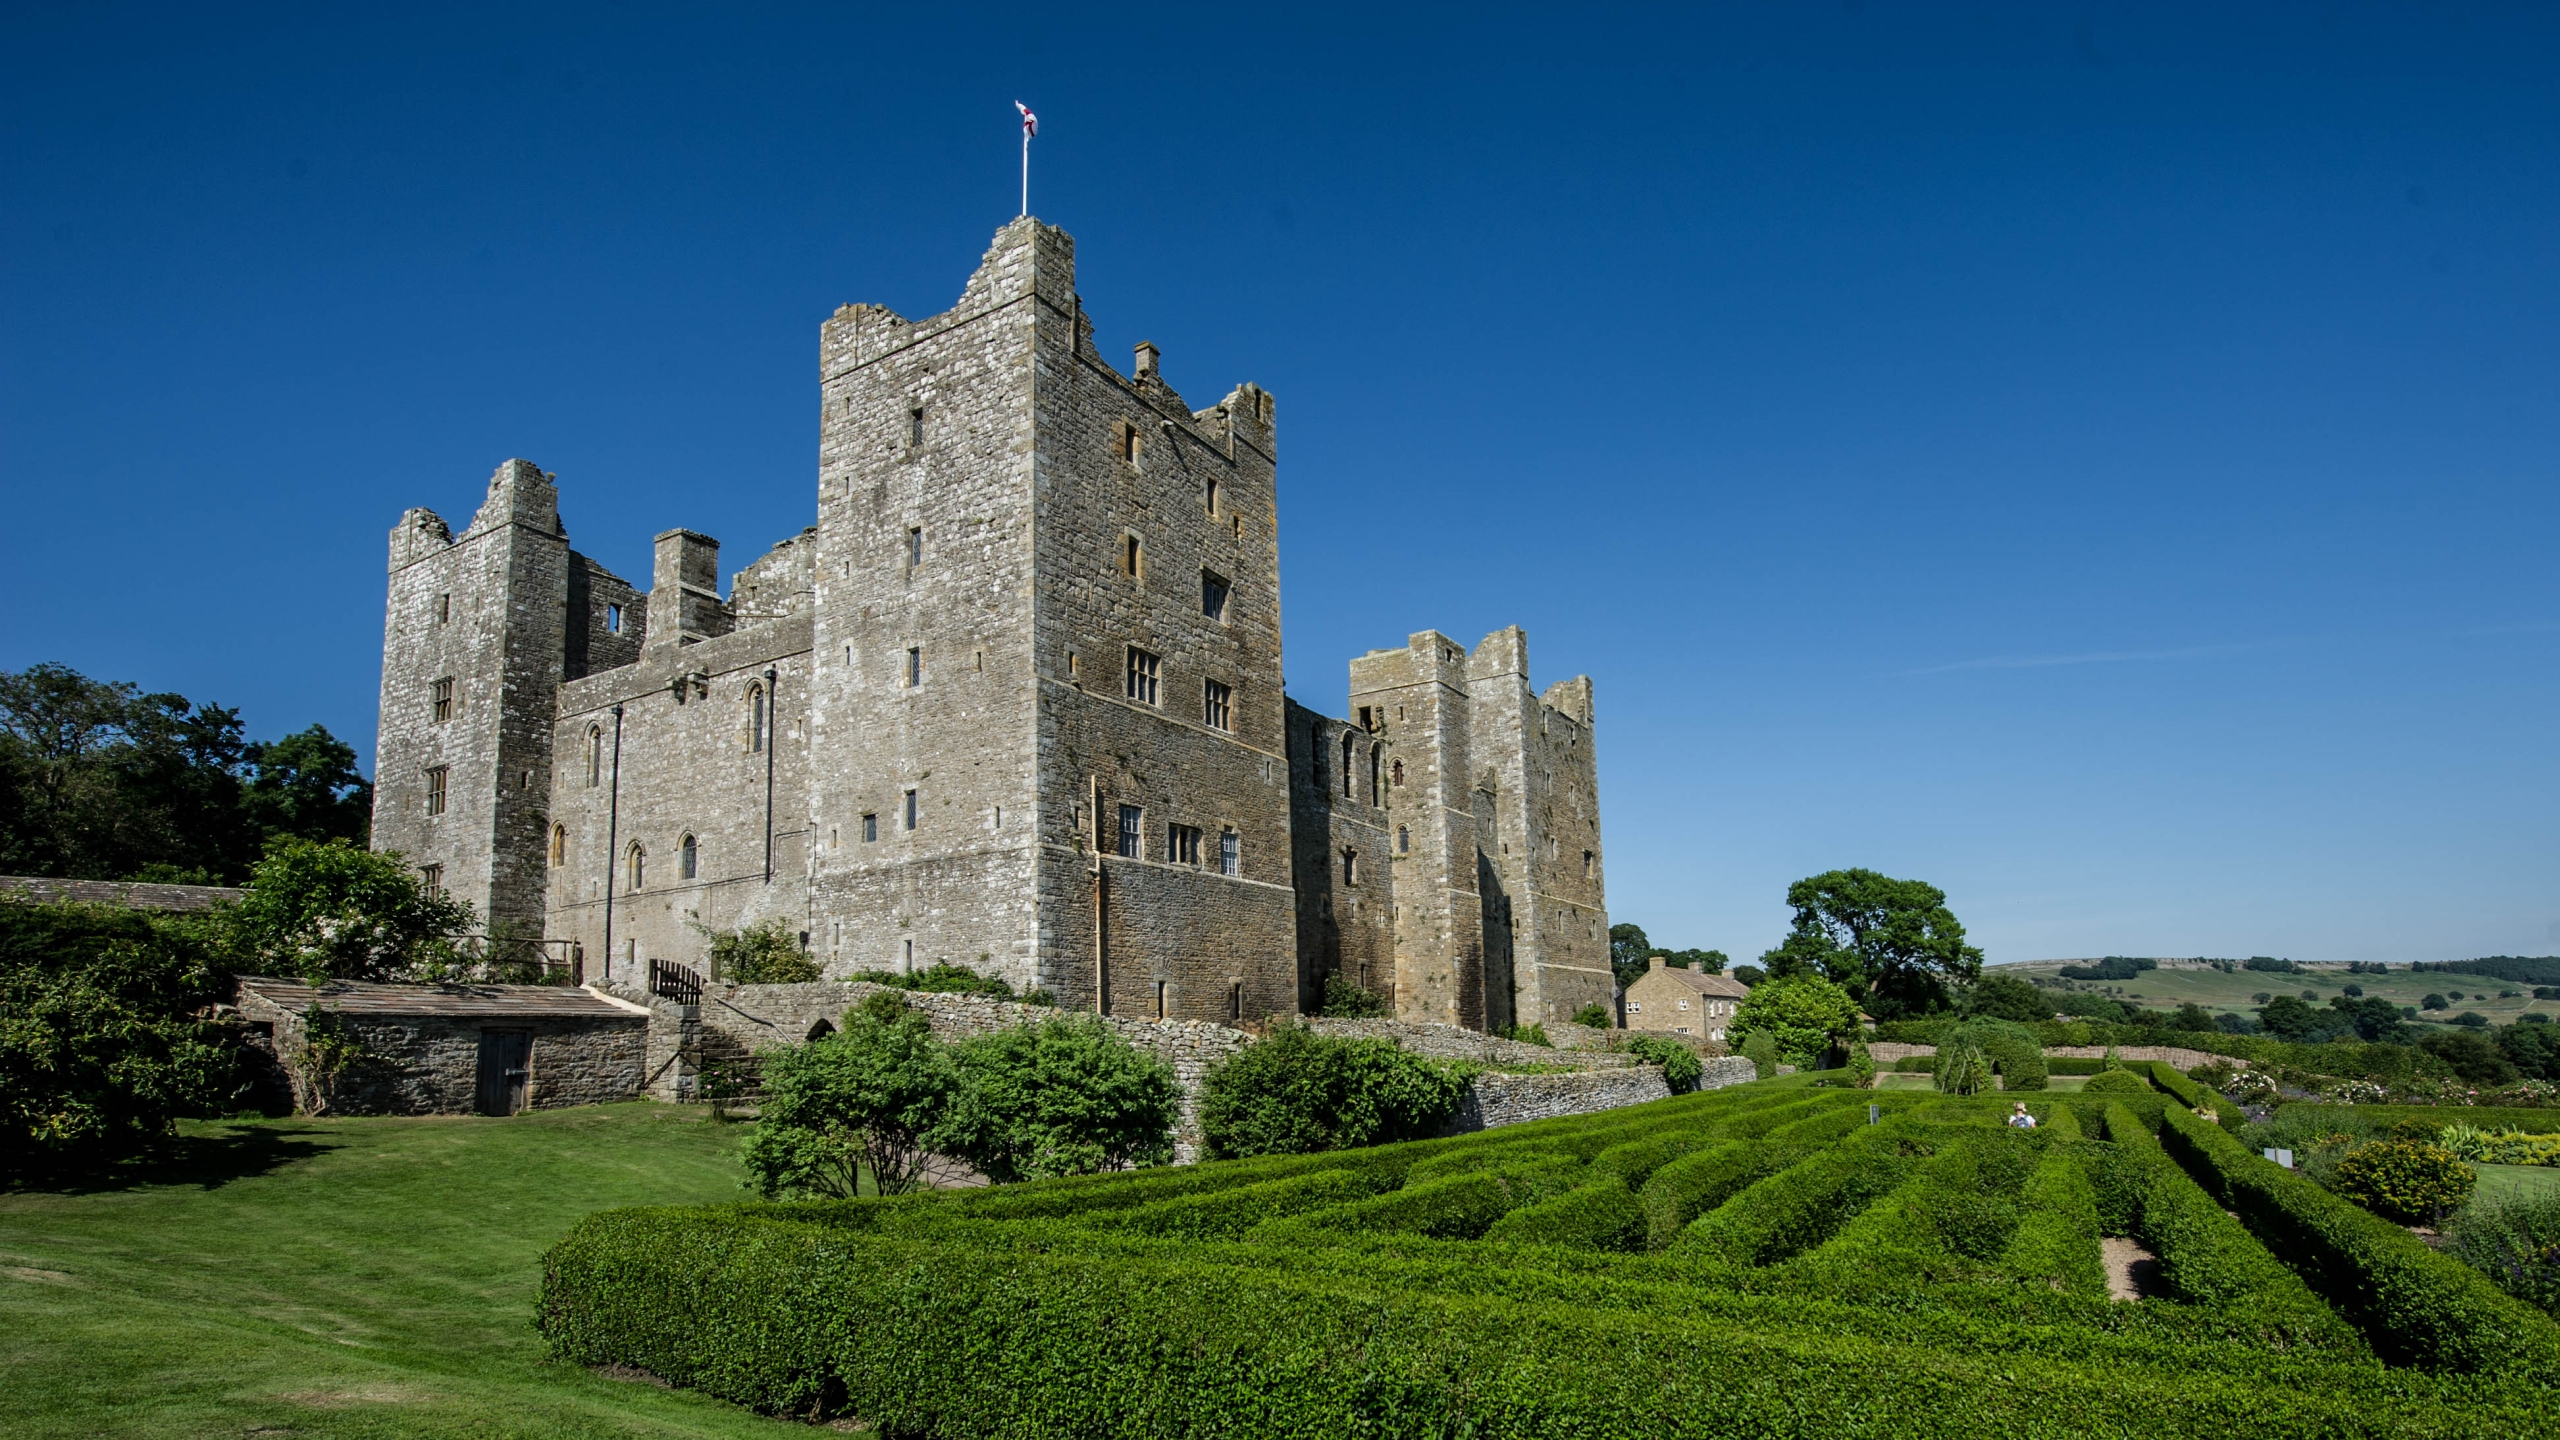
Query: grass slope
x=2516, y=1182
x=367, y=1277
x=2167, y=989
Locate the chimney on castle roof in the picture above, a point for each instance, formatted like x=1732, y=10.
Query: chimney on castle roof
x=1148, y=356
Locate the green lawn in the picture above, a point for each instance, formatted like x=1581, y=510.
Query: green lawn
x=2517, y=1182
x=341, y=1277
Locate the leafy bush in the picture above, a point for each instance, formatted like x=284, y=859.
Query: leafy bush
x=2501, y=1147
x=767, y=954
x=2116, y=1082
x=1065, y=1097
x=102, y=1050
x=944, y=978
x=1526, y=1035
x=2404, y=1180
x=1297, y=1092
x=1862, y=1065
x=1802, y=1013
x=1681, y=1066
x=1346, y=1001
x=333, y=911
x=1762, y=1051
x=1594, y=1017
x=2515, y=1243
x=1962, y=1070
x=865, y=1100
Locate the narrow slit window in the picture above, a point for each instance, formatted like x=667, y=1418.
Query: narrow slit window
x=915, y=666
x=440, y=699
x=1124, y=442
x=1235, y=999
x=1142, y=676
x=1404, y=841
x=688, y=859
x=1213, y=595
x=1133, y=557
x=911, y=810
x=1346, y=765
x=1373, y=775
x=595, y=756
x=1350, y=867
x=915, y=546
x=1214, y=704
x=435, y=789
x=1160, y=999
x=1213, y=495
x=444, y=609
x=870, y=827
x=1587, y=859
x=559, y=845
x=915, y=426
x=613, y=619
x=639, y=870
x=1131, y=819
x=756, y=719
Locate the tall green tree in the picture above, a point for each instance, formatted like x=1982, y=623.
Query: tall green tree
x=1804, y=1014
x=865, y=1100
x=99, y=781
x=1893, y=945
x=1630, y=953
x=1065, y=1097
x=335, y=912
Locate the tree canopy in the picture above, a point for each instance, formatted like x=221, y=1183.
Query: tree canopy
x=1893, y=945
x=1803, y=1013
x=2006, y=997
x=99, y=781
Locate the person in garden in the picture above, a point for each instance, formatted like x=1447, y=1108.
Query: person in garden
x=2019, y=1119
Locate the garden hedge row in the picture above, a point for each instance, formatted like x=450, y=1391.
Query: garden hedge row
x=2416, y=1307
x=934, y=1340
x=1603, y=1215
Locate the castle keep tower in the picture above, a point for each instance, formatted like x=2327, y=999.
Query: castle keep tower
x=1012, y=703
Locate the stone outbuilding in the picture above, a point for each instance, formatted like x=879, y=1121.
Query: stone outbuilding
x=455, y=1049
x=1684, y=1002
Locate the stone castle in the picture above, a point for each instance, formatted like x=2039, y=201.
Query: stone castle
x=1012, y=703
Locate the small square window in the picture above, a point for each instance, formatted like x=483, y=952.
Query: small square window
x=1214, y=704
x=1213, y=595
x=1142, y=676
x=870, y=827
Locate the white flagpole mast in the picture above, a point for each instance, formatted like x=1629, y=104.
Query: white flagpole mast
x=1030, y=127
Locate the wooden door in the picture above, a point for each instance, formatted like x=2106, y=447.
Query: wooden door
x=505, y=1066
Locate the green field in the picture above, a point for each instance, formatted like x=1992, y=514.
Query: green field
x=341, y=1278
x=2166, y=989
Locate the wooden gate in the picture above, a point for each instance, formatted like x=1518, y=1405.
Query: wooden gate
x=506, y=1062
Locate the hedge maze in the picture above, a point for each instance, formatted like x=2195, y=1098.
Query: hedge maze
x=1761, y=1260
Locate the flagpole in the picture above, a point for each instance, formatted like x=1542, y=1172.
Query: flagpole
x=1026, y=170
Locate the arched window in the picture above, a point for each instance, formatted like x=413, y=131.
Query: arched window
x=685, y=857
x=1373, y=775
x=595, y=756
x=1395, y=773
x=755, y=719
x=1404, y=841
x=639, y=866
x=559, y=845
x=1347, y=771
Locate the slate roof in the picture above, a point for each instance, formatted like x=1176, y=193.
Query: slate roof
x=131, y=894
x=1722, y=987
x=487, y=1002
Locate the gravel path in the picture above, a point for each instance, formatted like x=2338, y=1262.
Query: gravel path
x=2133, y=1273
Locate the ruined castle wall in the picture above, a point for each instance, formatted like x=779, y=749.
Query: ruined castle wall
x=1572, y=964
x=688, y=767
x=1419, y=695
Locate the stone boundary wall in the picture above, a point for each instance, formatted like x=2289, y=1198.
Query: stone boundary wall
x=1885, y=1052
x=735, y=1021
x=1448, y=1042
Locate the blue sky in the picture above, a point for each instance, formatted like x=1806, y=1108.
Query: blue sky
x=2095, y=458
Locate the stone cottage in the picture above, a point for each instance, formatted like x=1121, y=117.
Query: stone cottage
x=1683, y=1001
